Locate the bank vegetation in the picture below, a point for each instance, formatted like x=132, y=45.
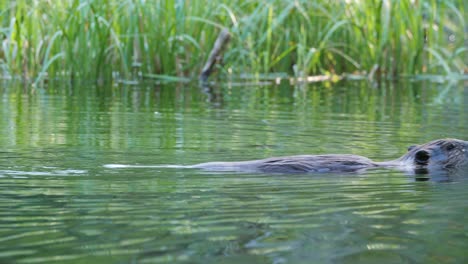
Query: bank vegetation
x=171, y=39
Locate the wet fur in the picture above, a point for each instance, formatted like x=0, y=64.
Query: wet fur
x=442, y=154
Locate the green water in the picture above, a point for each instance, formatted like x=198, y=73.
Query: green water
x=59, y=204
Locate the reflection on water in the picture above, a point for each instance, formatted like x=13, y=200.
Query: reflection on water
x=59, y=204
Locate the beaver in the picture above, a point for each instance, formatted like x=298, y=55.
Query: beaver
x=437, y=155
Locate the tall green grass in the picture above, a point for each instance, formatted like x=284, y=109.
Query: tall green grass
x=130, y=39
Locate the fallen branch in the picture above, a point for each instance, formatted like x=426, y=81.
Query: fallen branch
x=215, y=54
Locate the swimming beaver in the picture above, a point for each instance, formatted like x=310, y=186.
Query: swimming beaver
x=442, y=154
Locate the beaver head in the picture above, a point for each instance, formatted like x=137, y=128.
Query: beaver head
x=438, y=154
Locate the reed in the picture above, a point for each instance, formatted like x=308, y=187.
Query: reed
x=170, y=39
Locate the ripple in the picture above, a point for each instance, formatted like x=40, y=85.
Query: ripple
x=59, y=203
x=14, y=253
x=25, y=174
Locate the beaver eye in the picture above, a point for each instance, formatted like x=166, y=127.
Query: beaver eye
x=422, y=157
x=450, y=147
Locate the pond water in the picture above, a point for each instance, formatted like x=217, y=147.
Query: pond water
x=60, y=204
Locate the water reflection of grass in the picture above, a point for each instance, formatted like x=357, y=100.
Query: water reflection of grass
x=101, y=39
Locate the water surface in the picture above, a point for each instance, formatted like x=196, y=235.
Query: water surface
x=60, y=204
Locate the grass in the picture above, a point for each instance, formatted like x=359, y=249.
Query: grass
x=171, y=39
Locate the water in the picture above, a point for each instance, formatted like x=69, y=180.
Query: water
x=60, y=204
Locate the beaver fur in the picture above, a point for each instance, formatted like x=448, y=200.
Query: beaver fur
x=441, y=154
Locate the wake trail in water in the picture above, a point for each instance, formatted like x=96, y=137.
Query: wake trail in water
x=124, y=166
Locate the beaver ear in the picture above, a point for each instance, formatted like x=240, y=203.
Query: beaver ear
x=450, y=147
x=410, y=148
x=422, y=157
